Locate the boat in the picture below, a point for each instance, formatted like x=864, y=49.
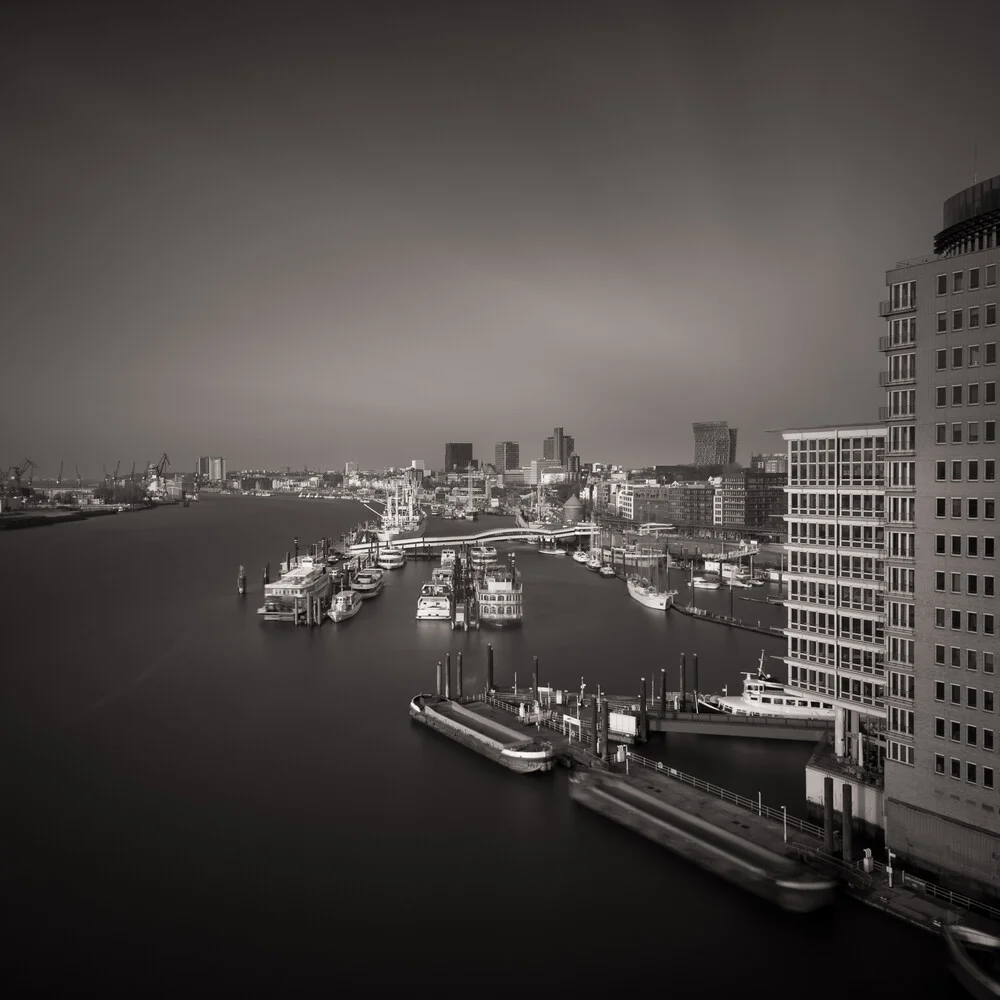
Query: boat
x=288, y=599
x=392, y=558
x=649, y=594
x=607, y=571
x=580, y=556
x=550, y=549
x=764, y=697
x=402, y=517
x=435, y=602
x=669, y=814
x=447, y=557
x=707, y=582
x=369, y=582
x=444, y=575
x=594, y=562
x=483, y=556
x=500, y=596
x=974, y=946
x=346, y=604
x=471, y=728
x=731, y=573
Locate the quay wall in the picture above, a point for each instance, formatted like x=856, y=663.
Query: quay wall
x=867, y=803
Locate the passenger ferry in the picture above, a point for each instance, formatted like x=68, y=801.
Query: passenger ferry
x=447, y=557
x=764, y=697
x=392, y=558
x=500, y=596
x=435, y=602
x=483, y=556
x=346, y=605
x=368, y=583
x=731, y=573
x=444, y=575
x=289, y=596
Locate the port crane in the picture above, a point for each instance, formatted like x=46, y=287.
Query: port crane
x=161, y=466
x=79, y=478
x=16, y=472
x=59, y=477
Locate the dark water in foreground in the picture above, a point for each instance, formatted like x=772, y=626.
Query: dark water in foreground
x=196, y=800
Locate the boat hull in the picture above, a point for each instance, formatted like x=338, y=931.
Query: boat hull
x=656, y=601
x=343, y=616
x=367, y=595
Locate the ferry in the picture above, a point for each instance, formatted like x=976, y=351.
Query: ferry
x=483, y=556
x=764, y=697
x=444, y=575
x=368, y=583
x=551, y=550
x=435, y=602
x=346, y=605
x=447, y=557
x=287, y=599
x=500, y=596
x=391, y=558
x=649, y=594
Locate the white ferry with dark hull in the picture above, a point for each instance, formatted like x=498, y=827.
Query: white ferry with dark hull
x=435, y=603
x=368, y=583
x=476, y=731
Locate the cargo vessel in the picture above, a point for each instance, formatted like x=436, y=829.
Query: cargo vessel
x=480, y=733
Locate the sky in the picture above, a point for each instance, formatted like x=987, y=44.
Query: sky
x=306, y=233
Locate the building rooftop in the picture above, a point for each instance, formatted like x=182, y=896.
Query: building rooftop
x=870, y=425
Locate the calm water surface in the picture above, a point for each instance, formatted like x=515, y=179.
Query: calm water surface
x=196, y=799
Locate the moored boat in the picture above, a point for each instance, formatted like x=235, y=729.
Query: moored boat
x=648, y=594
x=594, y=562
x=346, y=604
x=483, y=556
x=288, y=599
x=607, y=571
x=580, y=556
x=709, y=581
x=447, y=557
x=369, y=582
x=392, y=558
x=435, y=602
x=500, y=596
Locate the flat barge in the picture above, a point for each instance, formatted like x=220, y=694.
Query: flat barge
x=662, y=813
x=484, y=735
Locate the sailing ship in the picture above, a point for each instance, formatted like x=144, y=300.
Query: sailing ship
x=402, y=517
x=650, y=593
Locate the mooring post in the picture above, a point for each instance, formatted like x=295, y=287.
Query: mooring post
x=683, y=699
x=440, y=672
x=663, y=689
x=695, y=676
x=595, y=745
x=458, y=679
x=605, y=727
x=490, y=684
x=642, y=710
x=241, y=581
x=447, y=675
x=534, y=678
x=828, y=814
x=295, y=542
x=848, y=810
x=267, y=572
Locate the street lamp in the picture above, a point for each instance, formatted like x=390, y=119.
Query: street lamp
x=784, y=822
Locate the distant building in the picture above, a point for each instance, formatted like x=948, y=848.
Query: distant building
x=350, y=469
x=714, y=443
x=212, y=469
x=417, y=463
x=770, y=463
x=752, y=500
x=507, y=456
x=457, y=456
x=543, y=470
x=558, y=447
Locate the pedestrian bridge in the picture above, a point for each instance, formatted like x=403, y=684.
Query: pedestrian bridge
x=512, y=534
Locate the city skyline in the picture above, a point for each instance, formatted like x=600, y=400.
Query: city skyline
x=538, y=215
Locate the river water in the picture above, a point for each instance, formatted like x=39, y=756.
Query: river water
x=196, y=799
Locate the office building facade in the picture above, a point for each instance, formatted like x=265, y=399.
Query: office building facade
x=507, y=455
x=714, y=443
x=457, y=457
x=942, y=809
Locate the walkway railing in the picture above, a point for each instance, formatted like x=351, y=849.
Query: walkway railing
x=915, y=884
x=726, y=795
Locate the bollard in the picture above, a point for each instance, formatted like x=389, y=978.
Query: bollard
x=642, y=710
x=828, y=814
x=241, y=582
x=458, y=682
x=490, y=686
x=683, y=697
x=440, y=672
x=447, y=675
x=663, y=689
x=848, y=819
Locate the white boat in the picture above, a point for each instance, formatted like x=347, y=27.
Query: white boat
x=594, y=562
x=580, y=556
x=483, y=556
x=764, y=697
x=731, y=573
x=447, y=557
x=368, y=583
x=648, y=594
x=391, y=558
x=403, y=517
x=607, y=571
x=288, y=599
x=443, y=575
x=706, y=582
x=346, y=605
x=435, y=602
x=500, y=596
x=551, y=550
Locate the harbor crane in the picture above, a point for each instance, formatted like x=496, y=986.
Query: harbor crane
x=161, y=466
x=17, y=471
x=79, y=478
x=59, y=477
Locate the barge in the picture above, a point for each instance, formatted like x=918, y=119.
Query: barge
x=477, y=732
x=766, y=873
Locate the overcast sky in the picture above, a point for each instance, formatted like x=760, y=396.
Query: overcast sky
x=295, y=233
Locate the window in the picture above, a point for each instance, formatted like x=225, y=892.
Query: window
x=956, y=432
x=989, y=587
x=990, y=430
x=939, y=581
x=956, y=694
x=939, y=728
x=990, y=351
x=957, y=282
x=973, y=355
x=939, y=616
x=940, y=470
x=991, y=275
x=942, y=360
x=973, y=470
x=956, y=357
x=956, y=583
x=956, y=656
x=956, y=732
x=941, y=395
x=990, y=470
x=956, y=506
x=972, y=697
x=940, y=433
x=956, y=547
x=989, y=392
x=939, y=763
x=973, y=394
x=939, y=689
x=990, y=509
x=939, y=658
x=987, y=701
x=988, y=740
x=973, y=278
x=989, y=547
x=971, y=660
x=942, y=284
x=971, y=622
x=956, y=768
x=942, y=320
x=971, y=734
x=972, y=583
x=970, y=772
x=972, y=546
x=973, y=432
x=956, y=469
x=991, y=315
x=987, y=777
x=939, y=546
x=956, y=395
x=973, y=317
x=973, y=508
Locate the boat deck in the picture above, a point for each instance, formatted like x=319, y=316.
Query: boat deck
x=481, y=723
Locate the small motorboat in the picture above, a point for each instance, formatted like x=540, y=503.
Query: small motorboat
x=346, y=605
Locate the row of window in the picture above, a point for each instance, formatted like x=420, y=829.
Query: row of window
x=810, y=679
x=818, y=474
x=902, y=753
x=972, y=771
x=959, y=283
x=971, y=581
x=958, y=357
x=967, y=431
x=975, y=698
x=972, y=506
x=971, y=659
x=825, y=504
x=970, y=468
x=948, y=729
x=941, y=618
x=970, y=546
x=828, y=533
x=986, y=315
x=861, y=449
x=965, y=395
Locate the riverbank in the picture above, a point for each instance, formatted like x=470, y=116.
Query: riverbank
x=43, y=518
